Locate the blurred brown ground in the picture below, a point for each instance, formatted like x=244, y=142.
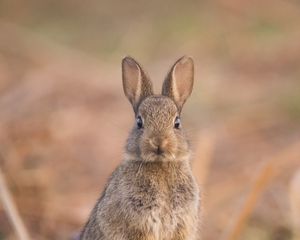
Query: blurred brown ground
x=64, y=119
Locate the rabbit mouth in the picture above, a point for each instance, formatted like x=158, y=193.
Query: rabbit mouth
x=158, y=155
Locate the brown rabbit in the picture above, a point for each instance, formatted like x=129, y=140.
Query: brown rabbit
x=152, y=195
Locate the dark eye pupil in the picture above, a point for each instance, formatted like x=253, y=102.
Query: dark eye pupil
x=177, y=123
x=139, y=122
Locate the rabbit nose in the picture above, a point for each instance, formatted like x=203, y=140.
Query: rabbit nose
x=159, y=151
x=158, y=145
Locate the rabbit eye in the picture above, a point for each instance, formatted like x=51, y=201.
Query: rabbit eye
x=177, y=123
x=139, y=122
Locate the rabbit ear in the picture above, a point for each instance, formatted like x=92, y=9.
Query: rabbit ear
x=136, y=83
x=178, y=84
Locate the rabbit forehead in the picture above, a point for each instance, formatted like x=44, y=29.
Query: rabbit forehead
x=158, y=106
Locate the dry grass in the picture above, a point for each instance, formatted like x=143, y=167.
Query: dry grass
x=295, y=204
x=269, y=171
x=203, y=156
x=11, y=210
x=251, y=200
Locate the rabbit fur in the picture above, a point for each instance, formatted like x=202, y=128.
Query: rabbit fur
x=152, y=195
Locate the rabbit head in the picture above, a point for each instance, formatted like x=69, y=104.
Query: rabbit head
x=157, y=134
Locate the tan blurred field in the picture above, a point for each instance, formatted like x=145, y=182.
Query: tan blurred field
x=64, y=118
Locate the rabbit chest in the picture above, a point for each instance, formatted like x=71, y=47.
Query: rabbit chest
x=159, y=195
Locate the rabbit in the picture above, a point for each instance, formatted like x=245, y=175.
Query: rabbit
x=152, y=194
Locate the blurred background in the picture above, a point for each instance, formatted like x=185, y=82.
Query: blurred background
x=64, y=118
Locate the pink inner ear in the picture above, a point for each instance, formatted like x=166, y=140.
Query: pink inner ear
x=131, y=78
x=183, y=78
x=136, y=83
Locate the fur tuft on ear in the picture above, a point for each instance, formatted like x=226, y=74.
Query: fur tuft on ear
x=136, y=83
x=179, y=82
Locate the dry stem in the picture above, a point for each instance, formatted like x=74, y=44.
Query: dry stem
x=11, y=210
